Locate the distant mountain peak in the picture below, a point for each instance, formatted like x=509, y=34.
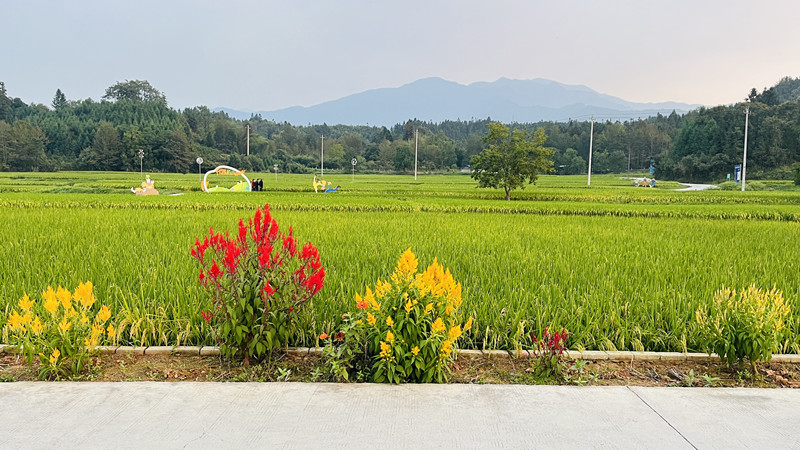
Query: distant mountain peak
x=436, y=99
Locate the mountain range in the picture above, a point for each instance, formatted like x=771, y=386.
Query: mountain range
x=437, y=100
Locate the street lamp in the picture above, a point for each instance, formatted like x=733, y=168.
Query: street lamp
x=275, y=166
x=354, y=162
x=141, y=162
x=199, y=161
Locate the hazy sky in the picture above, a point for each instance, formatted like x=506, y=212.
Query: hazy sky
x=263, y=55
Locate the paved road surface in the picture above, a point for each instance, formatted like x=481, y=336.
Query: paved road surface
x=306, y=415
x=696, y=187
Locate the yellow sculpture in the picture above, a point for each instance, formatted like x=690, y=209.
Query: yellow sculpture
x=147, y=188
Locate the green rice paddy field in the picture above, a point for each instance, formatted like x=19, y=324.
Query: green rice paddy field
x=620, y=267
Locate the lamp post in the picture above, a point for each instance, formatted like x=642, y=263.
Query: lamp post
x=275, y=166
x=354, y=162
x=141, y=162
x=199, y=161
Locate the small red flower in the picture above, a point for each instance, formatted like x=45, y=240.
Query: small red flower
x=267, y=291
x=291, y=308
x=323, y=336
x=206, y=316
x=202, y=277
x=339, y=336
x=362, y=305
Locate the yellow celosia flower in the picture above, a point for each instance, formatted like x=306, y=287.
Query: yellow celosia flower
x=390, y=336
x=468, y=325
x=370, y=319
x=437, y=326
x=65, y=297
x=84, y=319
x=382, y=288
x=447, y=348
x=454, y=333
x=54, y=356
x=415, y=351
x=448, y=309
x=68, y=313
x=409, y=306
x=84, y=295
x=389, y=321
x=428, y=308
x=406, y=266
x=50, y=300
x=37, y=326
x=16, y=321
x=386, y=351
x=111, y=330
x=65, y=325
x=104, y=313
x=370, y=299
x=25, y=303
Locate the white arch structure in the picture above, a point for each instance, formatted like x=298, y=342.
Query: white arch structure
x=235, y=172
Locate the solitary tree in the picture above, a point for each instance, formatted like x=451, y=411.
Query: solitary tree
x=138, y=90
x=59, y=100
x=511, y=159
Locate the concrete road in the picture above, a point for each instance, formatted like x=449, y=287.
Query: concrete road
x=696, y=187
x=306, y=415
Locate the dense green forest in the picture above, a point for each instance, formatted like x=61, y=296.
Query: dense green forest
x=702, y=145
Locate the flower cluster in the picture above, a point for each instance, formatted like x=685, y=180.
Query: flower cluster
x=62, y=330
x=550, y=344
x=748, y=324
x=257, y=279
x=408, y=324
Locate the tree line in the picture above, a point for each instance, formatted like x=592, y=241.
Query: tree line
x=133, y=115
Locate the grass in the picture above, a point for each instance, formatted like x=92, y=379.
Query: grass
x=620, y=267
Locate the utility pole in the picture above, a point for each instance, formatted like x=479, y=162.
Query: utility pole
x=248, y=140
x=744, y=158
x=322, y=158
x=591, y=137
x=416, y=148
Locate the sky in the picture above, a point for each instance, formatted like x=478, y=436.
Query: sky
x=265, y=55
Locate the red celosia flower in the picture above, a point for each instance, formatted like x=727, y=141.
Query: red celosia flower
x=231, y=260
x=273, y=231
x=309, y=253
x=290, y=243
x=268, y=289
x=300, y=275
x=214, y=272
x=339, y=336
x=242, y=232
x=206, y=316
x=202, y=277
x=315, y=281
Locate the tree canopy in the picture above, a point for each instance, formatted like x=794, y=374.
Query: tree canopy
x=137, y=90
x=512, y=158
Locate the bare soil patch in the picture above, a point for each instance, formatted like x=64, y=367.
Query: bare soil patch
x=465, y=369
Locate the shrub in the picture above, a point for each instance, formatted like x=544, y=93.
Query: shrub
x=62, y=331
x=258, y=281
x=743, y=325
x=796, y=173
x=404, y=331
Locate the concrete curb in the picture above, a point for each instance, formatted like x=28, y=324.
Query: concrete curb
x=588, y=355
